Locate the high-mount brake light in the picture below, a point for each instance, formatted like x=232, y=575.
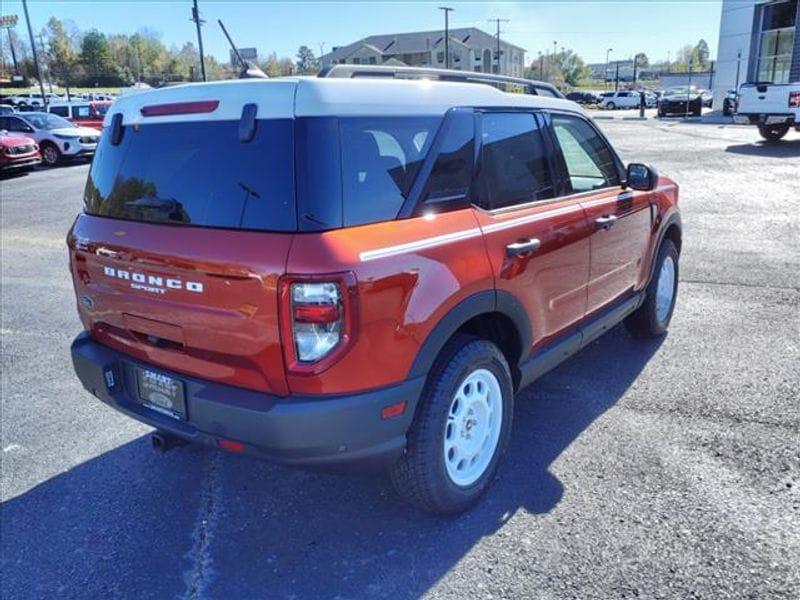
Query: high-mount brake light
x=180, y=108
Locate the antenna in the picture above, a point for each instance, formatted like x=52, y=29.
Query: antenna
x=249, y=70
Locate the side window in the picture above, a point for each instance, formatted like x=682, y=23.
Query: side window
x=589, y=161
x=452, y=172
x=514, y=166
x=15, y=124
x=380, y=160
x=61, y=111
x=80, y=112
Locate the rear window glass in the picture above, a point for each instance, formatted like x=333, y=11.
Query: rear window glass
x=380, y=161
x=197, y=173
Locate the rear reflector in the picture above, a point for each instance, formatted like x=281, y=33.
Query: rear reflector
x=180, y=108
x=316, y=313
x=393, y=410
x=230, y=445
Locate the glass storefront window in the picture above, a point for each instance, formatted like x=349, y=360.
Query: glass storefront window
x=778, y=30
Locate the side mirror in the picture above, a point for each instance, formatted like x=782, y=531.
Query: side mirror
x=641, y=177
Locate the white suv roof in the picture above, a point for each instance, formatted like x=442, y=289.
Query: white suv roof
x=311, y=97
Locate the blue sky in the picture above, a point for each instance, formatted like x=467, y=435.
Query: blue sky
x=588, y=27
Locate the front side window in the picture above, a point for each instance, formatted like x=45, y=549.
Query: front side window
x=381, y=157
x=589, y=161
x=514, y=166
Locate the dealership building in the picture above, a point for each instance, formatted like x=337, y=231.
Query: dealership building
x=758, y=41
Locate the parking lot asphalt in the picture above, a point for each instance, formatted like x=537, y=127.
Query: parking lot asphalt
x=661, y=469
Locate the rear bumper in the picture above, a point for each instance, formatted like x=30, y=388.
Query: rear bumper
x=764, y=119
x=324, y=430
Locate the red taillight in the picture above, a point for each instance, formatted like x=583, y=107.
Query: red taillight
x=180, y=108
x=794, y=99
x=316, y=313
x=317, y=319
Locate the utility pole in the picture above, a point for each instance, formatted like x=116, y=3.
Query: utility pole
x=497, y=23
x=199, y=22
x=541, y=66
x=605, y=75
x=635, y=65
x=616, y=79
x=33, y=49
x=447, y=11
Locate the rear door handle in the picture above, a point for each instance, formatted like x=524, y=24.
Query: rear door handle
x=606, y=222
x=523, y=247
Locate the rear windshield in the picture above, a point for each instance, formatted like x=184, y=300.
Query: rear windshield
x=197, y=173
x=308, y=174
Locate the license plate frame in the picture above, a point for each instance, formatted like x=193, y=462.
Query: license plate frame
x=160, y=392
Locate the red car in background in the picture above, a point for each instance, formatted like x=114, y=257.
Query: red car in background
x=18, y=152
x=85, y=114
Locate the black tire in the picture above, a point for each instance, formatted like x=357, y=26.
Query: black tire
x=661, y=114
x=421, y=476
x=611, y=106
x=773, y=133
x=727, y=109
x=51, y=155
x=697, y=112
x=645, y=321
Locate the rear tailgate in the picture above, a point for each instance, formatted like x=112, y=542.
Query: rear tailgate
x=189, y=216
x=766, y=99
x=192, y=300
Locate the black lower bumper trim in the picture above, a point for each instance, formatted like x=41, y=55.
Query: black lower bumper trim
x=302, y=430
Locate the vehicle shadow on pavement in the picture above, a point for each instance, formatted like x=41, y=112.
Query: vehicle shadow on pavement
x=782, y=149
x=199, y=523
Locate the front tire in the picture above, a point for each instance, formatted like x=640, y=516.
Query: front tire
x=773, y=133
x=611, y=106
x=461, y=428
x=652, y=318
x=51, y=155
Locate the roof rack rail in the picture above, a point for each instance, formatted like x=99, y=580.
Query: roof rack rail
x=526, y=86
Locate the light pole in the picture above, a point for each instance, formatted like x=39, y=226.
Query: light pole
x=605, y=75
x=447, y=11
x=497, y=36
x=738, y=67
x=35, y=57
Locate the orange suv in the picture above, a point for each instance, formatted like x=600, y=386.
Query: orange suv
x=358, y=271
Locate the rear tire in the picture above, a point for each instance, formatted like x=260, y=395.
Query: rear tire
x=773, y=133
x=461, y=428
x=51, y=155
x=652, y=318
x=611, y=106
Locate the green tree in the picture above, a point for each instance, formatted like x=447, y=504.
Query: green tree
x=702, y=54
x=95, y=56
x=306, y=62
x=62, y=59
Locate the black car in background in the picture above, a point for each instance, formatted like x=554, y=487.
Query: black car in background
x=681, y=101
x=583, y=97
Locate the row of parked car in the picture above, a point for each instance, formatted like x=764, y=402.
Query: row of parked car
x=672, y=101
x=34, y=101
x=65, y=131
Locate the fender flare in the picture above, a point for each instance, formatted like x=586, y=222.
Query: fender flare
x=673, y=219
x=487, y=301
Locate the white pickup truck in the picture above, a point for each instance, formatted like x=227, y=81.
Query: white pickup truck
x=774, y=107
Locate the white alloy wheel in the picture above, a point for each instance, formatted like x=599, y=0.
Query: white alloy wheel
x=473, y=426
x=50, y=154
x=665, y=289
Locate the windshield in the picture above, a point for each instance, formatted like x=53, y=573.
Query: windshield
x=47, y=121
